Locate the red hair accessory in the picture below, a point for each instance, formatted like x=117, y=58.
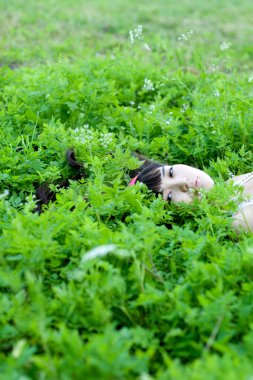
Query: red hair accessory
x=133, y=181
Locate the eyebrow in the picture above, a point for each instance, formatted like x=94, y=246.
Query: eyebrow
x=163, y=170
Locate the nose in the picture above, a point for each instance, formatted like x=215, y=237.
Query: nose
x=185, y=186
x=180, y=183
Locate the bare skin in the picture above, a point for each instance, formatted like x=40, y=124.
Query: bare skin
x=243, y=218
x=181, y=183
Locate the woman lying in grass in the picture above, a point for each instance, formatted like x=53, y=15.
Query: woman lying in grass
x=182, y=183
x=177, y=183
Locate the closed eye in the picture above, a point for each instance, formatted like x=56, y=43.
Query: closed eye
x=171, y=171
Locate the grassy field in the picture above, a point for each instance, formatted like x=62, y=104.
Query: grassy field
x=109, y=282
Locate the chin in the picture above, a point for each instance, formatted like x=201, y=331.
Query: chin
x=207, y=183
x=210, y=184
x=207, y=186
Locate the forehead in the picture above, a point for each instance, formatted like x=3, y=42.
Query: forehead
x=186, y=169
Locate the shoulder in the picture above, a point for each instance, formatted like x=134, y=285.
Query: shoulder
x=246, y=181
x=243, y=218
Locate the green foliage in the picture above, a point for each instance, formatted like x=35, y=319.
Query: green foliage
x=109, y=281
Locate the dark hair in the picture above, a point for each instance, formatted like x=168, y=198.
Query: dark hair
x=44, y=194
x=149, y=173
x=71, y=158
x=151, y=176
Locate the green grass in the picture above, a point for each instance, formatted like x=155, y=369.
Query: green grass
x=161, y=303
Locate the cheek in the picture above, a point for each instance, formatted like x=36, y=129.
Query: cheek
x=205, y=179
x=207, y=182
x=182, y=197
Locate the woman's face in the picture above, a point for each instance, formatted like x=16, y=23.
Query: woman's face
x=181, y=183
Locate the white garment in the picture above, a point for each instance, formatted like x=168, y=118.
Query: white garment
x=248, y=201
x=245, y=204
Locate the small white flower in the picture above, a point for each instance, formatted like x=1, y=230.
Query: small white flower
x=132, y=103
x=4, y=194
x=131, y=36
x=82, y=135
x=216, y=93
x=168, y=121
x=250, y=79
x=151, y=107
x=146, y=46
x=225, y=46
x=136, y=34
x=148, y=85
x=182, y=37
x=185, y=36
x=105, y=139
x=184, y=108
